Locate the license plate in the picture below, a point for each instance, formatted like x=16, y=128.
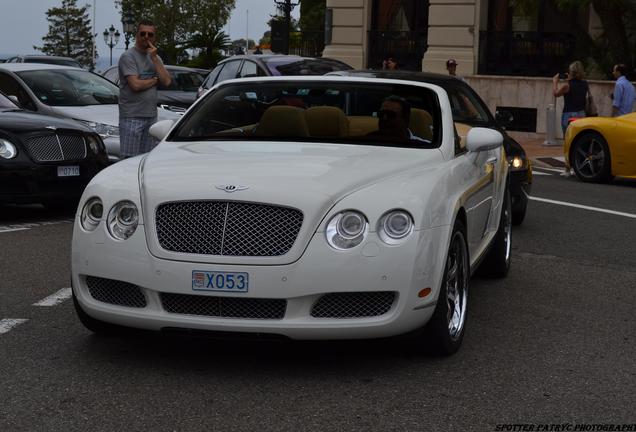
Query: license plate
x=220, y=281
x=68, y=171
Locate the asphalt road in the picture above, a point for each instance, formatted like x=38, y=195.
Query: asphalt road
x=554, y=343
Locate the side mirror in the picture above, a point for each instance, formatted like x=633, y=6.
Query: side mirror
x=160, y=129
x=482, y=139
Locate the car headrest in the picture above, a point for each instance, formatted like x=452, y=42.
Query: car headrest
x=420, y=123
x=327, y=121
x=283, y=121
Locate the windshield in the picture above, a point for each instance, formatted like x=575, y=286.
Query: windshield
x=57, y=61
x=184, y=80
x=317, y=111
x=466, y=107
x=5, y=102
x=301, y=66
x=70, y=87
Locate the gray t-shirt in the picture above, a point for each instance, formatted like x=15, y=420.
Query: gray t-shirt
x=132, y=103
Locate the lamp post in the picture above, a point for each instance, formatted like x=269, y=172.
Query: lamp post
x=128, y=25
x=111, y=37
x=286, y=6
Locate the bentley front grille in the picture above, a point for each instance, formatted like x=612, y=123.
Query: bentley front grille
x=56, y=147
x=224, y=307
x=115, y=292
x=227, y=228
x=353, y=305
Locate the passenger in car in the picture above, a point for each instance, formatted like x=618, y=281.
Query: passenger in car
x=393, y=119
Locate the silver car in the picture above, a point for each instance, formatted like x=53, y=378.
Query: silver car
x=68, y=92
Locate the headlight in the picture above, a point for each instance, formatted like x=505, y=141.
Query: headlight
x=395, y=226
x=517, y=162
x=95, y=143
x=347, y=229
x=104, y=130
x=7, y=149
x=123, y=219
x=92, y=213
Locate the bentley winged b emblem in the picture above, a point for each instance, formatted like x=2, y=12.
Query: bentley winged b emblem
x=231, y=188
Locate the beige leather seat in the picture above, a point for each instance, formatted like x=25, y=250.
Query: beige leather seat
x=283, y=121
x=327, y=121
x=420, y=123
x=362, y=125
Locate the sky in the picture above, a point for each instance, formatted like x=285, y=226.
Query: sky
x=23, y=24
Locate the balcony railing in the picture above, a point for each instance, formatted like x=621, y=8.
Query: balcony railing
x=407, y=47
x=525, y=53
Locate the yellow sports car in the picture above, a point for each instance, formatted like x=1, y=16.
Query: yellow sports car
x=600, y=148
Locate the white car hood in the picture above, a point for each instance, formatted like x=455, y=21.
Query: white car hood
x=306, y=176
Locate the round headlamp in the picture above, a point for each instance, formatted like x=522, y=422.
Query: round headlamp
x=94, y=143
x=92, y=213
x=7, y=149
x=346, y=229
x=516, y=162
x=395, y=226
x=123, y=219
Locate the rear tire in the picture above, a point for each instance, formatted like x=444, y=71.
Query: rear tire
x=590, y=158
x=497, y=262
x=445, y=331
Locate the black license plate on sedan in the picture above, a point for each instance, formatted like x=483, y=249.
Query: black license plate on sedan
x=68, y=171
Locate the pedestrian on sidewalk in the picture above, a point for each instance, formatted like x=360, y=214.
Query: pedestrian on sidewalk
x=390, y=63
x=574, y=92
x=141, y=70
x=624, y=93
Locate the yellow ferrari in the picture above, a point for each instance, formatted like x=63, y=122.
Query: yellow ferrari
x=600, y=148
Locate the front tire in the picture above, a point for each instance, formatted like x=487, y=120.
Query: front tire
x=590, y=158
x=497, y=262
x=445, y=331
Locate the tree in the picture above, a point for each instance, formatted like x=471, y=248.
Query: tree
x=182, y=24
x=312, y=15
x=615, y=45
x=69, y=33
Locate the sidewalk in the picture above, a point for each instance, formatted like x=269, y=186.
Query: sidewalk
x=542, y=155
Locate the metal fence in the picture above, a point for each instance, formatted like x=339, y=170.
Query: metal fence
x=525, y=53
x=407, y=47
x=307, y=43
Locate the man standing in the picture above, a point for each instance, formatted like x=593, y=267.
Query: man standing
x=140, y=71
x=451, y=67
x=624, y=93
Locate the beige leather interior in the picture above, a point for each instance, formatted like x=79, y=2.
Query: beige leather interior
x=362, y=125
x=462, y=130
x=420, y=123
x=327, y=121
x=283, y=120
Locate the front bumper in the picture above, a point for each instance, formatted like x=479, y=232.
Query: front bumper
x=369, y=268
x=520, y=187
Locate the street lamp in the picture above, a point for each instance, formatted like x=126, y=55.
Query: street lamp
x=111, y=37
x=286, y=6
x=128, y=25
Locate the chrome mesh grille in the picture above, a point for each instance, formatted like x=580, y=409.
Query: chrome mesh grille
x=56, y=148
x=115, y=292
x=224, y=307
x=227, y=228
x=353, y=305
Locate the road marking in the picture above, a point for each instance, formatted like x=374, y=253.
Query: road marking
x=556, y=170
x=29, y=225
x=55, y=299
x=584, y=207
x=539, y=173
x=8, y=323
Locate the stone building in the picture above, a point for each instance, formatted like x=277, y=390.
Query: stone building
x=506, y=52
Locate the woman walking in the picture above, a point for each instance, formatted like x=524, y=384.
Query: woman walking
x=574, y=92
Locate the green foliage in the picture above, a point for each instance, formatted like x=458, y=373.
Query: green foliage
x=312, y=15
x=69, y=33
x=183, y=24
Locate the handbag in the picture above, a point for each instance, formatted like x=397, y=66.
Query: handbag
x=590, y=105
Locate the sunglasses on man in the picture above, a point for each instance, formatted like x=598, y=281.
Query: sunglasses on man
x=144, y=34
x=388, y=114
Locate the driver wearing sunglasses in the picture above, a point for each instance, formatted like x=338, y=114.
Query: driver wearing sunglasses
x=141, y=70
x=393, y=119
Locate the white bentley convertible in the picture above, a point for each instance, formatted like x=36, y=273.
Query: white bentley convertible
x=311, y=208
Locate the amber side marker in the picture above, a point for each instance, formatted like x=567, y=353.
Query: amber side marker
x=424, y=292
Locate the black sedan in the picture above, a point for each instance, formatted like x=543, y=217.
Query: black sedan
x=243, y=66
x=45, y=159
x=470, y=110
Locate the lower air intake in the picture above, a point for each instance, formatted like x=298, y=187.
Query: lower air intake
x=353, y=305
x=224, y=307
x=115, y=292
